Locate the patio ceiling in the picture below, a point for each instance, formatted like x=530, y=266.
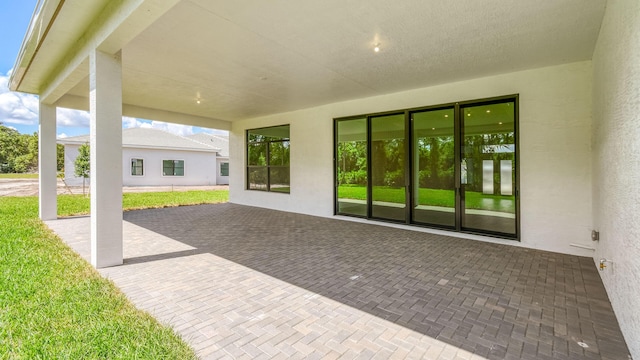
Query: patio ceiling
x=242, y=59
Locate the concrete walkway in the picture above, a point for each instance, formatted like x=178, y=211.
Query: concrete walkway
x=244, y=282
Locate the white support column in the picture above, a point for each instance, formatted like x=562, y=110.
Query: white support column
x=106, y=159
x=48, y=201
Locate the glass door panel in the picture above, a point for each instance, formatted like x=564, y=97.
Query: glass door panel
x=351, y=167
x=388, y=192
x=488, y=168
x=434, y=185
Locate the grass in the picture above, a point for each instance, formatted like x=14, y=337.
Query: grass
x=69, y=205
x=53, y=304
x=431, y=197
x=18, y=176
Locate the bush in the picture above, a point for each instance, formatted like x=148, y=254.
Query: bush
x=355, y=177
x=443, y=181
x=394, y=178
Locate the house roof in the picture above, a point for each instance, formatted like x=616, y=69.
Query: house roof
x=215, y=62
x=217, y=141
x=150, y=139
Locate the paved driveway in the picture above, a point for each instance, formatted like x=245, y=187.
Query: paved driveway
x=245, y=282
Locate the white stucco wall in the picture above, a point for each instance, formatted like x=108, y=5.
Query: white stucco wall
x=616, y=161
x=70, y=155
x=200, y=168
x=555, y=151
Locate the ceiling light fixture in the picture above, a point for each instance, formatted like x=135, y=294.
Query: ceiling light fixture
x=376, y=47
x=197, y=101
x=446, y=115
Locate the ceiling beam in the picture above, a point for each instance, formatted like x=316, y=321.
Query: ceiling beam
x=82, y=103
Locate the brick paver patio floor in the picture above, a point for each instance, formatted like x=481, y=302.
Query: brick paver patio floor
x=245, y=282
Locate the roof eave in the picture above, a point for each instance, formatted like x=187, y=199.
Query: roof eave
x=42, y=18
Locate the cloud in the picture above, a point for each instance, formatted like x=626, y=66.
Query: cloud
x=22, y=109
x=62, y=136
x=72, y=118
x=17, y=108
x=129, y=122
x=178, y=129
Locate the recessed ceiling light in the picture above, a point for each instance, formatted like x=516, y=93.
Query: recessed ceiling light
x=433, y=128
x=446, y=115
x=376, y=47
x=469, y=114
x=488, y=111
x=500, y=123
x=197, y=101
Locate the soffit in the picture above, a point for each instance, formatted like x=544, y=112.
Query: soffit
x=55, y=28
x=244, y=59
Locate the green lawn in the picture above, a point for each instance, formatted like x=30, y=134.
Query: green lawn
x=54, y=305
x=431, y=197
x=79, y=204
x=18, y=176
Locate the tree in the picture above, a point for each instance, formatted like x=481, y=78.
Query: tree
x=82, y=164
x=18, y=152
x=12, y=145
x=60, y=157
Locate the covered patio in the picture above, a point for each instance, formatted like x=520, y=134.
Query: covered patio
x=247, y=282
x=567, y=167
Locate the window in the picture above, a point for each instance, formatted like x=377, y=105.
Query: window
x=268, y=152
x=224, y=169
x=137, y=168
x=452, y=166
x=173, y=167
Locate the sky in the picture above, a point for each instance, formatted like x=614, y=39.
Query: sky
x=20, y=111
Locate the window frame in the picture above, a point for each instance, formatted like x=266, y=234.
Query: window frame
x=174, y=169
x=132, y=167
x=409, y=158
x=222, y=163
x=268, y=166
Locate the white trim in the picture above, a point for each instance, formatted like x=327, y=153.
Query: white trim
x=143, y=169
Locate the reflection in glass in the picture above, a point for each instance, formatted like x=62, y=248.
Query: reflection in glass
x=506, y=172
x=268, y=157
x=279, y=153
x=257, y=154
x=433, y=167
x=258, y=178
x=279, y=178
x=489, y=155
x=388, y=196
x=351, y=167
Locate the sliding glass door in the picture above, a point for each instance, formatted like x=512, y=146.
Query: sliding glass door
x=351, y=167
x=388, y=192
x=488, y=175
x=434, y=182
x=451, y=166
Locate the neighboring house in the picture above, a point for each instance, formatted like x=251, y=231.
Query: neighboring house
x=222, y=160
x=155, y=157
